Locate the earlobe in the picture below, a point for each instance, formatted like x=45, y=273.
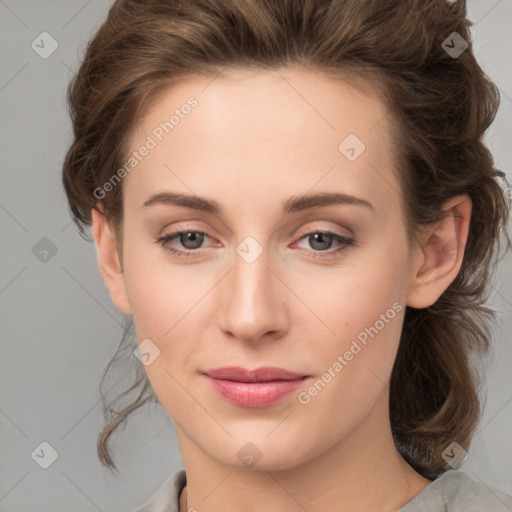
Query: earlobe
x=108, y=261
x=439, y=259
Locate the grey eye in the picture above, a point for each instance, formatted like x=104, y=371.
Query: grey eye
x=194, y=238
x=323, y=240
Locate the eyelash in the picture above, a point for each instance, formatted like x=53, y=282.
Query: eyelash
x=346, y=243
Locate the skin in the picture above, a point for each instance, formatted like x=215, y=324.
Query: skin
x=255, y=139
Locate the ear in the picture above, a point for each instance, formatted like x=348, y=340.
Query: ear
x=438, y=260
x=108, y=261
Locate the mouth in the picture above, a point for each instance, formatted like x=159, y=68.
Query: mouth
x=261, y=387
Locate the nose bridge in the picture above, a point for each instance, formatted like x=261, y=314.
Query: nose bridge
x=251, y=274
x=252, y=304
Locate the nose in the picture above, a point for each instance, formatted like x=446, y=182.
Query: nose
x=253, y=304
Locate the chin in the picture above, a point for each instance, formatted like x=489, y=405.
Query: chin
x=262, y=455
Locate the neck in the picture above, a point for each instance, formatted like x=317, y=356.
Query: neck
x=363, y=472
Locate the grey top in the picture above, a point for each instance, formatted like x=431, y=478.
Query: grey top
x=453, y=491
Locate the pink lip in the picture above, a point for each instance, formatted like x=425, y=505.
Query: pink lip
x=253, y=388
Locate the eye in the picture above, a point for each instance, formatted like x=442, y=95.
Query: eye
x=321, y=240
x=190, y=239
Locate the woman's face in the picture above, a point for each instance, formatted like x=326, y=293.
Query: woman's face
x=264, y=286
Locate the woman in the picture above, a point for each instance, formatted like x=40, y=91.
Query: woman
x=293, y=201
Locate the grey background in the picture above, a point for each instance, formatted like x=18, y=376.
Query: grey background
x=59, y=326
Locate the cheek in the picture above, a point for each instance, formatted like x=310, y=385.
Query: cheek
x=355, y=365
x=365, y=309
x=158, y=294
x=360, y=293
x=167, y=309
x=160, y=300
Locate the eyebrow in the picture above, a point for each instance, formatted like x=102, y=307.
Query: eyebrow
x=292, y=205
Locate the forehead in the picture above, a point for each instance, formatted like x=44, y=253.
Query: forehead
x=264, y=134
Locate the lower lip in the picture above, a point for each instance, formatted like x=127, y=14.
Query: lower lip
x=254, y=394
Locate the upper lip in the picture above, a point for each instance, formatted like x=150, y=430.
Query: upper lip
x=262, y=374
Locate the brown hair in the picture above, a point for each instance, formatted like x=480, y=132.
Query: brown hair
x=439, y=105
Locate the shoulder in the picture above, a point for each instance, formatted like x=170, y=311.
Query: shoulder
x=456, y=491
x=166, y=497
x=453, y=491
